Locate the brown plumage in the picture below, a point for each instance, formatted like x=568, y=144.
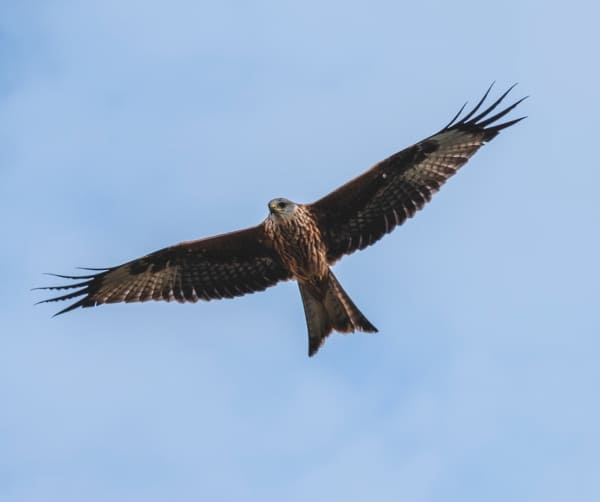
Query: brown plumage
x=300, y=241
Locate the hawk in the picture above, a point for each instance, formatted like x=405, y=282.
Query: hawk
x=301, y=241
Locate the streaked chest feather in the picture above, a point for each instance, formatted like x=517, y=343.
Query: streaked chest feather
x=298, y=242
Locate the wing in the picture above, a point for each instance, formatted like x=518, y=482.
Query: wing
x=362, y=211
x=224, y=266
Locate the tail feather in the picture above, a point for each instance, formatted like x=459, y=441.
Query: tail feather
x=317, y=320
x=328, y=309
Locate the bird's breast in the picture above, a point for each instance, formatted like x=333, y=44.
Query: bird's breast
x=298, y=242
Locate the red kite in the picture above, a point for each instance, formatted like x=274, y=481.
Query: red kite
x=301, y=241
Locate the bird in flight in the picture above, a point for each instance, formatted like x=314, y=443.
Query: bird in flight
x=301, y=241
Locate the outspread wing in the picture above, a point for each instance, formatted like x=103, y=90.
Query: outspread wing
x=362, y=211
x=224, y=266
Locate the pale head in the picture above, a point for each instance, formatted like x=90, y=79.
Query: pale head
x=282, y=207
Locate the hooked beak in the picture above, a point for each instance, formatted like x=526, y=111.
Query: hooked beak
x=274, y=208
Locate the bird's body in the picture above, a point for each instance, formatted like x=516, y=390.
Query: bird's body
x=300, y=241
x=297, y=240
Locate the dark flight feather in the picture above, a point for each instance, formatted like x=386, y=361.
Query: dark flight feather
x=224, y=266
x=363, y=210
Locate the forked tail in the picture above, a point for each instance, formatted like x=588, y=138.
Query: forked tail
x=329, y=308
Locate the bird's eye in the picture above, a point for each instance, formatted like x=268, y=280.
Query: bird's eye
x=281, y=205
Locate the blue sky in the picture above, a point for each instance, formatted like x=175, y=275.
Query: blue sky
x=129, y=126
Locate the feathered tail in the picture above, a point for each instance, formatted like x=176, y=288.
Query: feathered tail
x=329, y=308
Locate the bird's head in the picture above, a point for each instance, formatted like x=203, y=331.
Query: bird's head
x=282, y=207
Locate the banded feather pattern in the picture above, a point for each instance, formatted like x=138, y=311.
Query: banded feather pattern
x=363, y=210
x=224, y=266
